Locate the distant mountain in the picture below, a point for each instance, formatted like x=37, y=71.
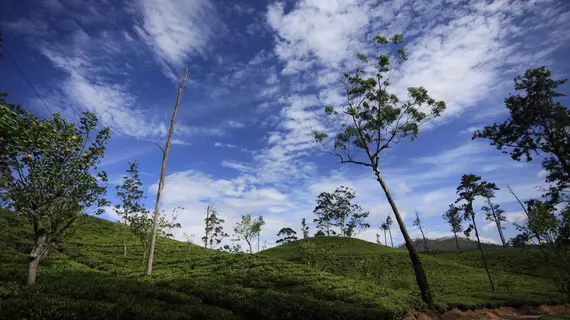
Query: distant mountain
x=448, y=244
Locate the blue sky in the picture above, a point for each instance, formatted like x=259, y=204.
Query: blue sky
x=261, y=73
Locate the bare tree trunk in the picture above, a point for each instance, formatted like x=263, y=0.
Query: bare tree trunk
x=249, y=244
x=39, y=249
x=456, y=241
x=423, y=236
x=163, y=174
x=421, y=278
x=124, y=248
x=391, y=241
x=482, y=253
x=385, y=239
x=524, y=209
x=258, y=241
x=501, y=234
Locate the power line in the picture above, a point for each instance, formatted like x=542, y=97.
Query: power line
x=23, y=75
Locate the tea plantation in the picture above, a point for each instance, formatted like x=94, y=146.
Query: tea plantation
x=87, y=277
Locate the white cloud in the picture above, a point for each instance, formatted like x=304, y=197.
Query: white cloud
x=236, y=124
x=176, y=29
x=224, y=145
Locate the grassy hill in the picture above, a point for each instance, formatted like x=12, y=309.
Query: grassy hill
x=448, y=244
x=456, y=278
x=87, y=277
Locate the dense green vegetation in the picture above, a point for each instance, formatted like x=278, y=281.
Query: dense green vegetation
x=448, y=244
x=88, y=277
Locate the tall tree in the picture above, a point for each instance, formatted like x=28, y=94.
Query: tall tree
x=454, y=219
x=257, y=224
x=163, y=173
x=538, y=123
x=471, y=187
x=246, y=230
x=304, y=228
x=373, y=120
x=50, y=173
x=131, y=196
x=384, y=227
x=494, y=213
x=389, y=224
x=287, y=235
x=378, y=239
x=336, y=210
x=418, y=223
x=214, y=230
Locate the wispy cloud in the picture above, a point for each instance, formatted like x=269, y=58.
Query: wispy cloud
x=176, y=29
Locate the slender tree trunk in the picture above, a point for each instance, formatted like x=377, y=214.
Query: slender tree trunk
x=249, y=244
x=258, y=241
x=421, y=278
x=391, y=241
x=456, y=241
x=524, y=209
x=163, y=174
x=124, y=248
x=501, y=234
x=423, y=236
x=482, y=253
x=39, y=249
x=385, y=239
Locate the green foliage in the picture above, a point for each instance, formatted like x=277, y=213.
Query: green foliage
x=248, y=228
x=287, y=234
x=335, y=210
x=49, y=173
x=214, y=230
x=494, y=213
x=537, y=124
x=458, y=277
x=89, y=279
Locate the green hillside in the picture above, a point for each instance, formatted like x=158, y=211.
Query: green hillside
x=87, y=277
x=457, y=279
x=448, y=244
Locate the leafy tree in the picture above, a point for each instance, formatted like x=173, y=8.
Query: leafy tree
x=336, y=210
x=142, y=223
x=374, y=120
x=257, y=224
x=385, y=227
x=246, y=229
x=165, y=151
x=494, y=213
x=541, y=221
x=50, y=173
x=471, y=187
x=305, y=229
x=454, y=219
x=418, y=223
x=320, y=233
x=214, y=231
x=287, y=234
x=537, y=124
x=189, y=238
x=131, y=195
x=378, y=239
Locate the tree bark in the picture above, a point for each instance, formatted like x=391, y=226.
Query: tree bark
x=39, y=249
x=385, y=239
x=258, y=242
x=249, y=244
x=423, y=236
x=421, y=278
x=501, y=234
x=124, y=248
x=162, y=175
x=456, y=241
x=482, y=253
x=391, y=241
